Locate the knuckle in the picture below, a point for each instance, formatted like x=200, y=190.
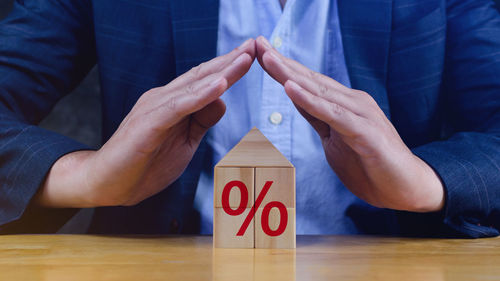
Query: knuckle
x=200, y=68
x=196, y=71
x=359, y=93
x=366, y=98
x=152, y=91
x=171, y=103
x=323, y=91
x=312, y=74
x=173, y=108
x=336, y=109
x=370, y=99
x=190, y=90
x=364, y=95
x=147, y=95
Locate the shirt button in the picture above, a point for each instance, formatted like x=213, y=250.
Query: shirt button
x=276, y=118
x=277, y=42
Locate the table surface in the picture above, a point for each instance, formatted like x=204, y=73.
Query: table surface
x=86, y=257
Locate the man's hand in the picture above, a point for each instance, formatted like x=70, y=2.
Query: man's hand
x=360, y=143
x=154, y=143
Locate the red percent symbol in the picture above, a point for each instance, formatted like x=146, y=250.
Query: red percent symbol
x=265, y=212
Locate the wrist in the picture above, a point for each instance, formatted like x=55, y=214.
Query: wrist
x=66, y=184
x=432, y=195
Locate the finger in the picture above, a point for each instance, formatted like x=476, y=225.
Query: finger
x=325, y=87
x=263, y=46
x=283, y=69
x=204, y=119
x=230, y=74
x=269, y=60
x=319, y=126
x=198, y=94
x=337, y=117
x=176, y=106
x=197, y=89
x=213, y=66
x=236, y=69
x=270, y=65
x=282, y=73
x=319, y=78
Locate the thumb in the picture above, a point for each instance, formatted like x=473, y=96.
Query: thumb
x=205, y=118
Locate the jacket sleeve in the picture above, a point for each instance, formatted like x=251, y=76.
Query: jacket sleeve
x=46, y=48
x=468, y=162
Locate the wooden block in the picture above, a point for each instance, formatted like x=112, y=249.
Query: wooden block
x=286, y=240
x=254, y=161
x=254, y=150
x=282, y=188
x=226, y=227
x=224, y=175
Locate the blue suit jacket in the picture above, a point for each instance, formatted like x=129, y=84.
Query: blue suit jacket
x=432, y=66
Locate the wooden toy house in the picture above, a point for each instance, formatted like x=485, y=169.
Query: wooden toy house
x=254, y=196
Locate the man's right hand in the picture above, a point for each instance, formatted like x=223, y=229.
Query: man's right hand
x=154, y=143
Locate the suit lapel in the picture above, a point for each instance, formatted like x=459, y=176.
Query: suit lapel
x=366, y=33
x=195, y=25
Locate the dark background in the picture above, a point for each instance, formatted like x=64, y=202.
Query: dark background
x=78, y=115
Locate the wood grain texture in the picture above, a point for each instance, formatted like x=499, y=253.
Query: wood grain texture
x=226, y=227
x=253, y=161
x=283, y=187
x=284, y=241
x=224, y=175
x=254, y=150
x=85, y=257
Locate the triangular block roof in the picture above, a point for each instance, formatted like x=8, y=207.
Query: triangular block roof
x=254, y=150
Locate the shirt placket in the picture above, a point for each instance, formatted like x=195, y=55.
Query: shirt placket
x=276, y=109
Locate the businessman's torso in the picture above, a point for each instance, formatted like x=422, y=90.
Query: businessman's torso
x=394, y=50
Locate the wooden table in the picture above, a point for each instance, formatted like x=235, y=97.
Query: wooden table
x=85, y=257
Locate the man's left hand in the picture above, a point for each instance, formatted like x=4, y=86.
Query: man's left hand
x=360, y=143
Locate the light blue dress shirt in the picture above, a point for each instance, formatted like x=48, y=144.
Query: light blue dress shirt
x=309, y=32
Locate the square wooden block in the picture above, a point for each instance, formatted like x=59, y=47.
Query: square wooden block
x=224, y=175
x=286, y=240
x=282, y=188
x=226, y=227
x=246, y=169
